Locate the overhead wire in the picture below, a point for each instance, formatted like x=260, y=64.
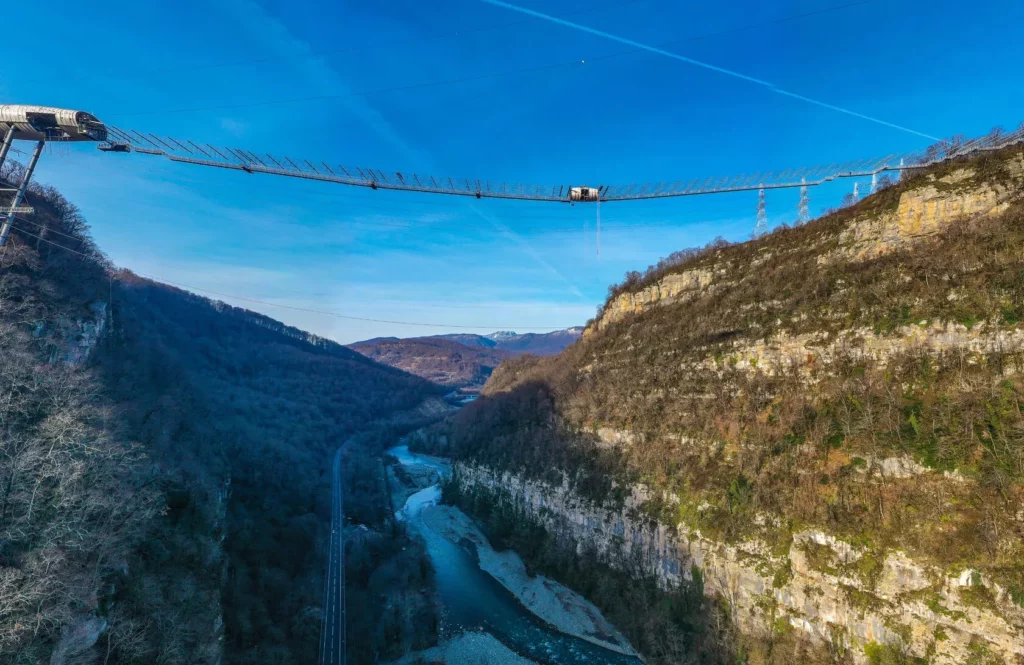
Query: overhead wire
x=293, y=307
x=733, y=73
x=48, y=229
x=485, y=76
x=354, y=208
x=377, y=45
x=301, y=293
x=359, y=93
x=439, y=225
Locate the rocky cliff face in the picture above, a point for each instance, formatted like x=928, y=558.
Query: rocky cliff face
x=828, y=589
x=933, y=204
x=929, y=206
x=808, y=353
x=676, y=288
x=84, y=334
x=72, y=340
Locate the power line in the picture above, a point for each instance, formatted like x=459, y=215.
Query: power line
x=300, y=309
x=361, y=93
x=702, y=64
x=446, y=305
x=353, y=49
x=49, y=230
x=31, y=235
x=426, y=226
x=481, y=77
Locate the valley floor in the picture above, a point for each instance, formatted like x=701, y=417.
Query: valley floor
x=569, y=629
x=466, y=649
x=554, y=603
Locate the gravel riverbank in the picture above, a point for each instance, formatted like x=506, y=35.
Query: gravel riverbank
x=556, y=604
x=466, y=649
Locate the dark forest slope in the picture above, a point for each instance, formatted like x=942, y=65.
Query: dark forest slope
x=275, y=402
x=164, y=489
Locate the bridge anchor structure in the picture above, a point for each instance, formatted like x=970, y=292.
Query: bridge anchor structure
x=39, y=124
x=19, y=194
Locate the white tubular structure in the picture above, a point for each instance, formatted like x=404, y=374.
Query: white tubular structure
x=45, y=123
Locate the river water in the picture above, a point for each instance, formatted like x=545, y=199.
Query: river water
x=473, y=600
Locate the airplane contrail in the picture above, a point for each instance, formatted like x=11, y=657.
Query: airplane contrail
x=527, y=249
x=698, y=63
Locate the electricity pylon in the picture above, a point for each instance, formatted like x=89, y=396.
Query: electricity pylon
x=761, y=227
x=803, y=212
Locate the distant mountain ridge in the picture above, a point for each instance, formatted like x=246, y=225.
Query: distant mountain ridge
x=502, y=334
x=541, y=344
x=462, y=360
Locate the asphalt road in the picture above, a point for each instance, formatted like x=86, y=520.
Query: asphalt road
x=332, y=628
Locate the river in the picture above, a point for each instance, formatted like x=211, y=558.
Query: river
x=473, y=600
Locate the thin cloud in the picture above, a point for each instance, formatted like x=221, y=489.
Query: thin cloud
x=276, y=37
x=704, y=65
x=528, y=250
x=234, y=127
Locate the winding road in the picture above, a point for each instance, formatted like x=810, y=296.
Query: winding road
x=332, y=628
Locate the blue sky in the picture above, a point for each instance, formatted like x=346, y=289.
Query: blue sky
x=223, y=71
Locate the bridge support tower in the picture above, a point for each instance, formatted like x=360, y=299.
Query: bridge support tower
x=19, y=195
x=5, y=147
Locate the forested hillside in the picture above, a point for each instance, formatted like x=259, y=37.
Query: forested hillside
x=461, y=360
x=826, y=420
x=164, y=486
x=445, y=362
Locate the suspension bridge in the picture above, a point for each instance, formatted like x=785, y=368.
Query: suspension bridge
x=44, y=124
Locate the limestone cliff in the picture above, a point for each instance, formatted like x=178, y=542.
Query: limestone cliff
x=826, y=588
x=676, y=288
x=922, y=209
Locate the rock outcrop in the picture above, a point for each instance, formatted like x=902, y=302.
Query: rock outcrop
x=920, y=212
x=678, y=287
x=824, y=587
x=810, y=352
x=930, y=207
x=73, y=339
